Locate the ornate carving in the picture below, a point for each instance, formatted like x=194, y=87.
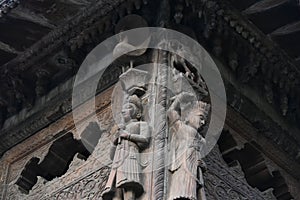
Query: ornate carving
x=160, y=121
x=268, y=195
x=46, y=190
x=38, y=146
x=134, y=81
x=131, y=139
x=222, y=182
x=227, y=18
x=287, y=143
x=218, y=184
x=56, y=107
x=251, y=57
x=186, y=143
x=7, y=5
x=61, y=38
x=90, y=187
x=42, y=82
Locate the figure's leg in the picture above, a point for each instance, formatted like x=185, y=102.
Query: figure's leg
x=129, y=195
x=118, y=194
x=109, y=190
x=201, y=194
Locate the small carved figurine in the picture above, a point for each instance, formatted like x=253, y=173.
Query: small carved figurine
x=185, y=119
x=132, y=137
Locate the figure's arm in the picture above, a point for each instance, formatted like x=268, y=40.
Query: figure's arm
x=143, y=137
x=184, y=99
x=145, y=132
x=175, y=106
x=114, y=131
x=202, y=165
x=173, y=111
x=201, y=162
x=116, y=139
x=138, y=138
x=112, y=152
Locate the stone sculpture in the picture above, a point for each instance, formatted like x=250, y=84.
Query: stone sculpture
x=186, y=165
x=125, y=178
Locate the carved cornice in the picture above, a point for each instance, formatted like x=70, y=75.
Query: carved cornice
x=87, y=26
x=50, y=108
x=269, y=69
x=7, y=5
x=273, y=140
x=96, y=16
x=256, y=62
x=91, y=26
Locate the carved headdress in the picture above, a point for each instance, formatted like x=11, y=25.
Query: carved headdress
x=134, y=99
x=201, y=108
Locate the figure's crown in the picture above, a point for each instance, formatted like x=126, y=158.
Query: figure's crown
x=202, y=108
x=134, y=99
x=134, y=79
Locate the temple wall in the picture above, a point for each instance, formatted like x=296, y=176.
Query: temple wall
x=86, y=179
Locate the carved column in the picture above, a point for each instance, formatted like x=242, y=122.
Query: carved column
x=160, y=123
x=160, y=132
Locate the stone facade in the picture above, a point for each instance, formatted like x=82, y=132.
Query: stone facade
x=87, y=179
x=257, y=157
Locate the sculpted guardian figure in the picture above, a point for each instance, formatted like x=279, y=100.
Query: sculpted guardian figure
x=185, y=120
x=125, y=181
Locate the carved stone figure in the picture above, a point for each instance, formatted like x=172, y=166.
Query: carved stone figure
x=185, y=119
x=132, y=137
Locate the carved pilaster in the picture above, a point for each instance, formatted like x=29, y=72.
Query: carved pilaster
x=160, y=132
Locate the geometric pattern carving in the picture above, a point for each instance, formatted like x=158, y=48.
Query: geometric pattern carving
x=223, y=182
x=90, y=187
